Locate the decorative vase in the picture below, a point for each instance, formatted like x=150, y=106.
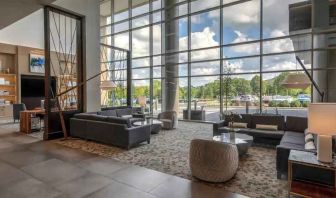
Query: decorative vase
x=232, y=136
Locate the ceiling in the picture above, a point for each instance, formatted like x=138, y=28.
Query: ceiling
x=14, y=10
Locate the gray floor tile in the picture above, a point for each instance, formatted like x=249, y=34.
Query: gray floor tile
x=102, y=165
x=23, y=158
x=83, y=185
x=118, y=190
x=189, y=189
x=29, y=188
x=141, y=178
x=10, y=174
x=54, y=171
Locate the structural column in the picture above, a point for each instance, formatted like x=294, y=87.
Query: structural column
x=171, y=86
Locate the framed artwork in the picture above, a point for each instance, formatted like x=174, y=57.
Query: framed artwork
x=36, y=63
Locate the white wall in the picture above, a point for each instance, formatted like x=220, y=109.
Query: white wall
x=29, y=32
x=25, y=32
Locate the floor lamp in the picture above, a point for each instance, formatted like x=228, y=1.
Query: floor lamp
x=300, y=81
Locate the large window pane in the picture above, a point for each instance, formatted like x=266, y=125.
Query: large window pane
x=241, y=65
x=278, y=99
x=285, y=17
x=157, y=96
x=205, y=68
x=241, y=22
x=122, y=40
x=199, y=5
x=286, y=61
x=140, y=42
x=183, y=96
x=205, y=93
x=241, y=50
x=139, y=7
x=156, y=72
x=156, y=39
x=120, y=10
x=241, y=93
x=209, y=54
x=121, y=27
x=293, y=43
x=140, y=21
x=205, y=30
x=140, y=89
x=141, y=62
x=140, y=73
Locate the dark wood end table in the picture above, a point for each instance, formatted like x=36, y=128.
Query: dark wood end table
x=303, y=188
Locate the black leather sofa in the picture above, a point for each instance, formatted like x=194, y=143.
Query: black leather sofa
x=112, y=130
x=260, y=136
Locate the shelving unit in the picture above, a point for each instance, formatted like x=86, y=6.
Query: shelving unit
x=10, y=89
x=68, y=100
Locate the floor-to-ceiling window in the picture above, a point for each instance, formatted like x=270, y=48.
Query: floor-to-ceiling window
x=224, y=55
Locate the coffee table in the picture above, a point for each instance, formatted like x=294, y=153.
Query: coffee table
x=242, y=141
x=156, y=125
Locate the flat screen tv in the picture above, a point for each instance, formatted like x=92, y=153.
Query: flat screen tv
x=32, y=90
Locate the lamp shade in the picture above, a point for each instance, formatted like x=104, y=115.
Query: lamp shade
x=296, y=81
x=107, y=85
x=322, y=118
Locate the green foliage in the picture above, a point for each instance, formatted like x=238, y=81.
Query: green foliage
x=284, y=104
x=295, y=103
x=305, y=104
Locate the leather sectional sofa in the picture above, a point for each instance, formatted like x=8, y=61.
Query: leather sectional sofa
x=260, y=136
x=109, y=128
x=290, y=135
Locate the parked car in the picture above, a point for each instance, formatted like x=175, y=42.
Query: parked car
x=303, y=98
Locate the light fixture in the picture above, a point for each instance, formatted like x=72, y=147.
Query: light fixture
x=107, y=85
x=321, y=121
x=296, y=81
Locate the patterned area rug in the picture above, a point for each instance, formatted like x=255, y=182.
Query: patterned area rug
x=168, y=152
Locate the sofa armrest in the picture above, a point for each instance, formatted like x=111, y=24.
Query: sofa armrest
x=216, y=126
x=139, y=134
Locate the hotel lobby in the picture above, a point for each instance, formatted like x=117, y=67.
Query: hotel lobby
x=167, y=98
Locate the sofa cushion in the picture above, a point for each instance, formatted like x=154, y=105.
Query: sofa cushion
x=238, y=124
x=118, y=120
x=269, y=120
x=242, y=118
x=293, y=138
x=298, y=124
x=310, y=146
x=87, y=116
x=107, y=113
x=267, y=127
x=123, y=112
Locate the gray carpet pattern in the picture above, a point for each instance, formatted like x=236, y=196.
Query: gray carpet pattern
x=168, y=152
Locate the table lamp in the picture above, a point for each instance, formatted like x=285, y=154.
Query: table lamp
x=322, y=121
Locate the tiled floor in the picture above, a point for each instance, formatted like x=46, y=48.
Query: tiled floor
x=32, y=168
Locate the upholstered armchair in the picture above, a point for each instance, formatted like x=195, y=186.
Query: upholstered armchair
x=213, y=161
x=168, y=119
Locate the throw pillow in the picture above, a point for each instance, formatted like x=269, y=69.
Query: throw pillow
x=238, y=124
x=310, y=146
x=267, y=127
x=309, y=137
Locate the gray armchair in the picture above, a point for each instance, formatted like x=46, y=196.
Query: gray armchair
x=213, y=161
x=17, y=108
x=168, y=119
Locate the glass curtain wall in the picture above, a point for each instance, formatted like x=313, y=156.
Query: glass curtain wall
x=220, y=56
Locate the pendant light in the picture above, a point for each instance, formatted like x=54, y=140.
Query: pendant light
x=296, y=80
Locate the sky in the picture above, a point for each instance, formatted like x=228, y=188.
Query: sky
x=241, y=23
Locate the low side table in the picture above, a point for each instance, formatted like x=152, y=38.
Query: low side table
x=307, y=188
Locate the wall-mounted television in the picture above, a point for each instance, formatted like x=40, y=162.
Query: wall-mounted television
x=32, y=90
